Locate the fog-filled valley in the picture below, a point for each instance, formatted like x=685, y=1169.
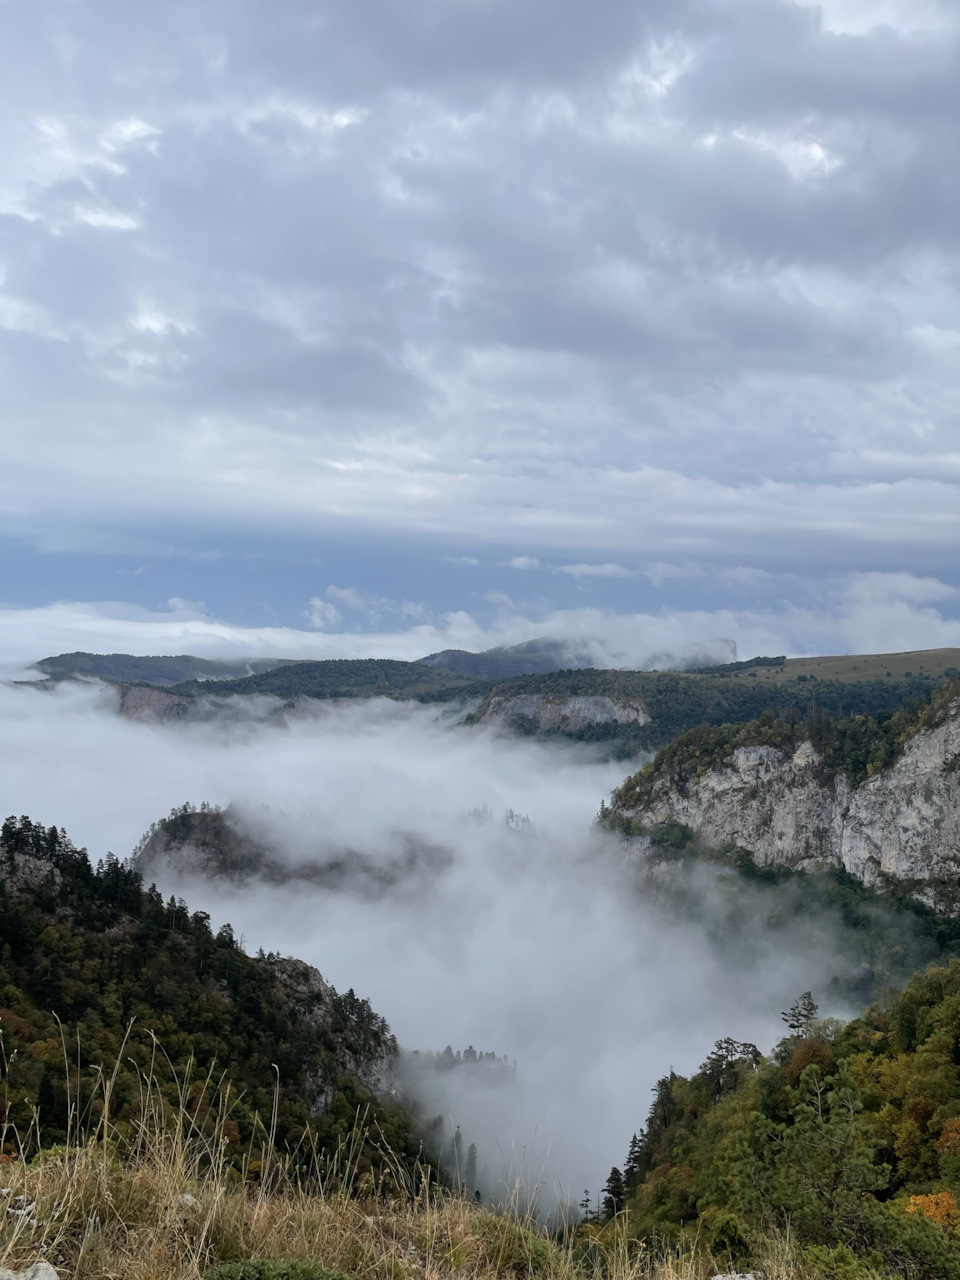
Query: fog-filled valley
x=475, y=904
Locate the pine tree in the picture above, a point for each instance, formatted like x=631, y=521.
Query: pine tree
x=801, y=1014
x=614, y=1194
x=633, y=1170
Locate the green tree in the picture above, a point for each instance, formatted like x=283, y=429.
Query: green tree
x=817, y=1169
x=801, y=1014
x=614, y=1194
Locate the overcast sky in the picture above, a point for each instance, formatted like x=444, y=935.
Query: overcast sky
x=353, y=324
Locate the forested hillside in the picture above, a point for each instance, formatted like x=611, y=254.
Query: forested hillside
x=338, y=678
x=680, y=701
x=858, y=745
x=104, y=975
x=848, y=1134
x=115, y=668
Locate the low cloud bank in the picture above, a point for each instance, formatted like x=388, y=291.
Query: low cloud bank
x=867, y=612
x=523, y=939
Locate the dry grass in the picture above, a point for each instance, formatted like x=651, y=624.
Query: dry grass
x=854, y=667
x=158, y=1202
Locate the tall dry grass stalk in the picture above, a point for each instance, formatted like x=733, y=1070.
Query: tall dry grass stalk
x=158, y=1201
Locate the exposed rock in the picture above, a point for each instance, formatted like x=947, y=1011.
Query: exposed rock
x=904, y=822
x=537, y=711
x=141, y=702
x=368, y=1052
x=38, y=1271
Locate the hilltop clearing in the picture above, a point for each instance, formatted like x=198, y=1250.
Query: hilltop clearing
x=853, y=667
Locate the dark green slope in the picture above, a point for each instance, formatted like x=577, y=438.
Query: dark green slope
x=529, y=658
x=680, y=701
x=338, y=678
x=121, y=668
x=91, y=949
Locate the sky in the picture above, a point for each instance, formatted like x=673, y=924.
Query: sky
x=350, y=327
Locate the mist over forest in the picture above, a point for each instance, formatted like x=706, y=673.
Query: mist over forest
x=479, y=676
x=519, y=928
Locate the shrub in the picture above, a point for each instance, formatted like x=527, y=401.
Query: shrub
x=273, y=1269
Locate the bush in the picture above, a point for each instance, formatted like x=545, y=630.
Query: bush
x=839, y=1263
x=273, y=1269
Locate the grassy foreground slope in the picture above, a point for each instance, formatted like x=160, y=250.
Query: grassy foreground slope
x=168, y=1209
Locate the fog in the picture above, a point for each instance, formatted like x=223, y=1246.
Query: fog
x=532, y=942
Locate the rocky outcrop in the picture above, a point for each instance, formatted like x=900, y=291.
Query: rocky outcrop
x=537, y=712
x=144, y=703
x=903, y=822
x=365, y=1047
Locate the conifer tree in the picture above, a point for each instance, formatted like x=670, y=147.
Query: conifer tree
x=614, y=1194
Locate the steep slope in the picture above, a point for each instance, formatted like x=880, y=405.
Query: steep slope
x=848, y=1135
x=878, y=795
x=143, y=986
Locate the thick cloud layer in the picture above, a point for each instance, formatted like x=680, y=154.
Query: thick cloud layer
x=527, y=942
x=677, y=278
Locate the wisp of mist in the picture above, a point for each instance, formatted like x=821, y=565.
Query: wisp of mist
x=529, y=940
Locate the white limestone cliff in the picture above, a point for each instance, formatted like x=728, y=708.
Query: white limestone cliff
x=535, y=710
x=904, y=822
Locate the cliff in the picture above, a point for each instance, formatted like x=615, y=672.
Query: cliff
x=783, y=804
x=541, y=713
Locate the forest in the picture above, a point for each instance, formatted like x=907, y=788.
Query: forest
x=678, y=702
x=849, y=1133
x=100, y=975
x=857, y=745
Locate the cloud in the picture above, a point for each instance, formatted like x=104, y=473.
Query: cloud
x=323, y=615
x=663, y=571
x=522, y=562
x=607, y=570
x=674, y=278
x=875, y=613
x=532, y=943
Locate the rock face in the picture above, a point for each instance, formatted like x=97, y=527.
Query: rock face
x=141, y=702
x=538, y=712
x=904, y=822
x=365, y=1049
